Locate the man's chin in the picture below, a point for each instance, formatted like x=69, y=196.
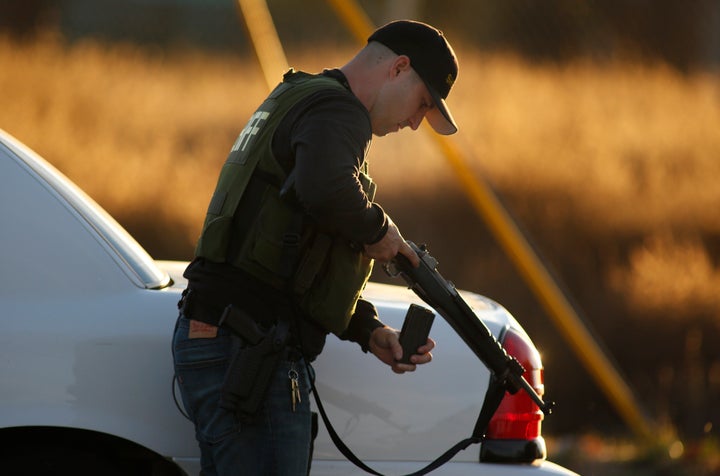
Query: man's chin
x=386, y=132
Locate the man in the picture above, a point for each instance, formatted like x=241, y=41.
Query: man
x=288, y=244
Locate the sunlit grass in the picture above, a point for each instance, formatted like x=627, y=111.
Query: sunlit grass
x=621, y=149
x=635, y=146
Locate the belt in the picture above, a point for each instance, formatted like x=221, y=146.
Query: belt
x=194, y=307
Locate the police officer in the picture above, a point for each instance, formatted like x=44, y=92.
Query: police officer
x=288, y=244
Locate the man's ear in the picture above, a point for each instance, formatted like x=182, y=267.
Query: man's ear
x=401, y=63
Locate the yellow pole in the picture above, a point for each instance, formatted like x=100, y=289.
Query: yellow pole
x=546, y=290
x=265, y=40
x=531, y=268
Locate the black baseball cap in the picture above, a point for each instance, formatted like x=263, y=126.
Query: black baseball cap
x=432, y=58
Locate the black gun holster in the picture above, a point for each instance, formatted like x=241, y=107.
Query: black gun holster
x=252, y=364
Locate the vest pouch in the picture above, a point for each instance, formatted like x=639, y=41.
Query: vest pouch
x=263, y=250
x=330, y=298
x=215, y=238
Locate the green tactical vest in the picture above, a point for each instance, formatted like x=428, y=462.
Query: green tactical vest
x=251, y=225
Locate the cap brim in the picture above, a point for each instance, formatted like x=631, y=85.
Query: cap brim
x=440, y=117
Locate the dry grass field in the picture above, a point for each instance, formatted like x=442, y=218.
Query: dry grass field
x=611, y=168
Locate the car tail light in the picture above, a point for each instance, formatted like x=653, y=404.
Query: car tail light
x=514, y=432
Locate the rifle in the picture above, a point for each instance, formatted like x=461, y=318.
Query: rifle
x=506, y=372
x=441, y=295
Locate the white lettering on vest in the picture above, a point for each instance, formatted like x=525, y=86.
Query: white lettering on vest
x=251, y=129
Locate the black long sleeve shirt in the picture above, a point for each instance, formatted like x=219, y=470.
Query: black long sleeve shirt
x=325, y=138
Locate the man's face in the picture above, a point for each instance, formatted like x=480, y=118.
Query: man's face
x=402, y=102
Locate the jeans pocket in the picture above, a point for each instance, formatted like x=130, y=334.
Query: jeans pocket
x=200, y=366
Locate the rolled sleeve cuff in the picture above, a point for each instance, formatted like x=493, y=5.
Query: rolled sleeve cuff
x=383, y=228
x=362, y=323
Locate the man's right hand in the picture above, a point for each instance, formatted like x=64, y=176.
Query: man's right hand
x=390, y=245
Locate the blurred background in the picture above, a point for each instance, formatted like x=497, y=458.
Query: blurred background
x=597, y=123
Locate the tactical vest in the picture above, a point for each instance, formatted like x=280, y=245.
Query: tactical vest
x=253, y=224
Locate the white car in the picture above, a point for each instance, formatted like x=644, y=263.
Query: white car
x=86, y=375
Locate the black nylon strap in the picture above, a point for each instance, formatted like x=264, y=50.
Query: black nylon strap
x=489, y=406
x=493, y=398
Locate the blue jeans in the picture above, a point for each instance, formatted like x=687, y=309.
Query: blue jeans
x=277, y=442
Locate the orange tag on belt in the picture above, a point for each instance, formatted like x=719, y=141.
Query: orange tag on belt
x=201, y=330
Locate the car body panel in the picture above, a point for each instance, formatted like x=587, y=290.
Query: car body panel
x=87, y=322
x=382, y=415
x=32, y=209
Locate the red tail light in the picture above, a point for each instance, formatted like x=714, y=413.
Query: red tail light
x=514, y=433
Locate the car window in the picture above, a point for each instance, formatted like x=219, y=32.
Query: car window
x=53, y=237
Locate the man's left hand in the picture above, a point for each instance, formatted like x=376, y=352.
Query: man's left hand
x=385, y=344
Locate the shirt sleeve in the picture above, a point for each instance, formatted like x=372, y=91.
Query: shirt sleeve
x=328, y=139
x=362, y=323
